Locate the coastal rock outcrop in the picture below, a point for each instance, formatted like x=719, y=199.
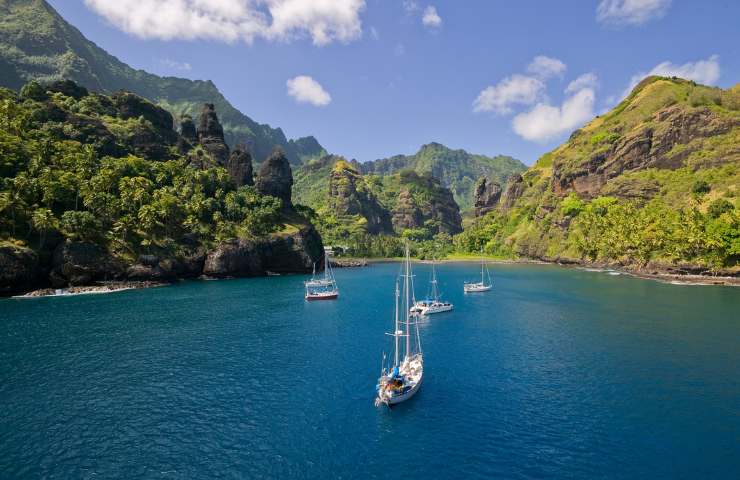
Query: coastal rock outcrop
x=486, y=196
x=211, y=135
x=276, y=178
x=240, y=167
x=82, y=263
x=18, y=269
x=287, y=253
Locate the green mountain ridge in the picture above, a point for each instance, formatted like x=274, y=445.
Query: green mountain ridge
x=36, y=43
x=456, y=169
x=652, y=184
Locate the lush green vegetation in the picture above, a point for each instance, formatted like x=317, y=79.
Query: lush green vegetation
x=36, y=43
x=683, y=215
x=69, y=169
x=457, y=170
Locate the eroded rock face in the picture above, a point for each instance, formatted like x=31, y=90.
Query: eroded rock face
x=211, y=135
x=133, y=106
x=486, y=196
x=18, y=270
x=294, y=253
x=514, y=189
x=81, y=263
x=276, y=178
x=649, y=147
x=350, y=197
x=240, y=167
x=439, y=214
x=188, y=136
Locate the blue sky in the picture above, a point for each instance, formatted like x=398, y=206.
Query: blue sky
x=376, y=78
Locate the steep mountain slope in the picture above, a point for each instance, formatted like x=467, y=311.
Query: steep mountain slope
x=36, y=43
x=456, y=169
x=652, y=184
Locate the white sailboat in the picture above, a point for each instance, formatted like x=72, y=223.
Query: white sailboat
x=401, y=380
x=322, y=288
x=485, y=283
x=432, y=304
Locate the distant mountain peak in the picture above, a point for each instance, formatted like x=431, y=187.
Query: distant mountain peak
x=36, y=43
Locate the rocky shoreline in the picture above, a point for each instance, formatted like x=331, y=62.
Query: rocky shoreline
x=106, y=287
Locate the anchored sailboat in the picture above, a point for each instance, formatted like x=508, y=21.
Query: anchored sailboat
x=485, y=283
x=401, y=380
x=432, y=304
x=322, y=288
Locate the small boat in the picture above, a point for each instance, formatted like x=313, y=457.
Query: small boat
x=485, y=283
x=322, y=288
x=432, y=304
x=401, y=380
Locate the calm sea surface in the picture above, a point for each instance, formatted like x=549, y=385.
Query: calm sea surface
x=555, y=373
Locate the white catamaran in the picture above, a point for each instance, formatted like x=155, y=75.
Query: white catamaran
x=485, y=283
x=322, y=288
x=401, y=380
x=432, y=304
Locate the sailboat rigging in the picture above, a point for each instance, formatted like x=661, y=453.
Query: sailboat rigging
x=485, y=283
x=432, y=304
x=322, y=288
x=401, y=380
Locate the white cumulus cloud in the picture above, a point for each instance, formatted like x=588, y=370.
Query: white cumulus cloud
x=324, y=21
x=702, y=71
x=630, y=12
x=546, y=122
x=546, y=67
x=587, y=80
x=431, y=18
x=305, y=89
x=516, y=89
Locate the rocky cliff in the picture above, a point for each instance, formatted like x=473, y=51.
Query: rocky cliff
x=424, y=203
x=349, y=196
x=651, y=184
x=276, y=178
x=486, y=196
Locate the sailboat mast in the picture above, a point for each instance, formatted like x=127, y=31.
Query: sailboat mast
x=482, y=263
x=395, y=332
x=408, y=305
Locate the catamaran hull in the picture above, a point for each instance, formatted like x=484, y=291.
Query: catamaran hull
x=332, y=296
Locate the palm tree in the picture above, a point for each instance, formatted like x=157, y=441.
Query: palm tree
x=43, y=220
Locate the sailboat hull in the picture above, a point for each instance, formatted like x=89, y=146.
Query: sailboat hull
x=328, y=296
x=477, y=288
x=396, y=399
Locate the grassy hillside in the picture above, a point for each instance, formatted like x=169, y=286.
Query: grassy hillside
x=36, y=43
x=654, y=182
x=456, y=169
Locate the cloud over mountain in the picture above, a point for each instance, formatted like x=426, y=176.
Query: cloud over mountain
x=235, y=20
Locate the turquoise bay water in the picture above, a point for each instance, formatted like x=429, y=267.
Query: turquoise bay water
x=555, y=373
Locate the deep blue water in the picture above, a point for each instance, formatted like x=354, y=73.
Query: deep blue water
x=555, y=373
